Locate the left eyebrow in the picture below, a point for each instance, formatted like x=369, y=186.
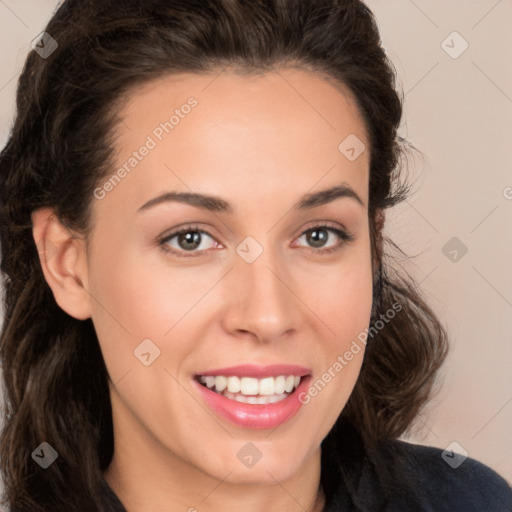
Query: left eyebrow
x=217, y=204
x=327, y=196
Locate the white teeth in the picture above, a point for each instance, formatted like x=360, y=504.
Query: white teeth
x=279, y=384
x=234, y=385
x=262, y=400
x=249, y=386
x=290, y=381
x=221, y=383
x=256, y=390
x=267, y=386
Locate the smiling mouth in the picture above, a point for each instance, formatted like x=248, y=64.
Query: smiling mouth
x=251, y=390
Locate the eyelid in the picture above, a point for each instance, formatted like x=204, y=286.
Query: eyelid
x=323, y=224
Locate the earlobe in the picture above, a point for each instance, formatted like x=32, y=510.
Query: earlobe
x=63, y=261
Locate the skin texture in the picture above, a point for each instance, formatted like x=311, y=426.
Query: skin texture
x=259, y=142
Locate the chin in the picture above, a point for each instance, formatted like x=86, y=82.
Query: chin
x=262, y=462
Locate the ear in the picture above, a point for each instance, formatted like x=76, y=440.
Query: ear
x=63, y=260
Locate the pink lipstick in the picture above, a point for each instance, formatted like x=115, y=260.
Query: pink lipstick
x=252, y=396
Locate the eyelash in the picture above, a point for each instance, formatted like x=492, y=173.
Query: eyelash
x=343, y=235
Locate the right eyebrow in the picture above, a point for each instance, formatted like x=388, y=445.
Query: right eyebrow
x=211, y=203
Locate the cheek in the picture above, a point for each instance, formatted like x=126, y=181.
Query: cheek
x=142, y=285
x=135, y=298
x=127, y=307
x=341, y=294
x=347, y=295
x=341, y=300
x=347, y=310
x=344, y=302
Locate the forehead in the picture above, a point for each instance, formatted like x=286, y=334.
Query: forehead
x=295, y=96
x=229, y=130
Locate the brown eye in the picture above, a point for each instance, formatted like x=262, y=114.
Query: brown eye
x=318, y=237
x=188, y=240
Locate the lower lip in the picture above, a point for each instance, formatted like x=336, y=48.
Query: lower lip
x=255, y=415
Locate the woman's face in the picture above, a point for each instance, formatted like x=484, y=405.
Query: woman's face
x=259, y=289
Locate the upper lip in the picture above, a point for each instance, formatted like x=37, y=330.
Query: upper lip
x=259, y=372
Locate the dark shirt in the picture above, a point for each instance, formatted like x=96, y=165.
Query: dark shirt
x=436, y=487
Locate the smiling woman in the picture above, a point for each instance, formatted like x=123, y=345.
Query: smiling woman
x=217, y=326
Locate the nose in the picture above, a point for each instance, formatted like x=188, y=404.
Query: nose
x=262, y=300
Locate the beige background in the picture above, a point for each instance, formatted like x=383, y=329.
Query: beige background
x=458, y=112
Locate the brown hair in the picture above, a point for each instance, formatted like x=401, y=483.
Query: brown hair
x=60, y=149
